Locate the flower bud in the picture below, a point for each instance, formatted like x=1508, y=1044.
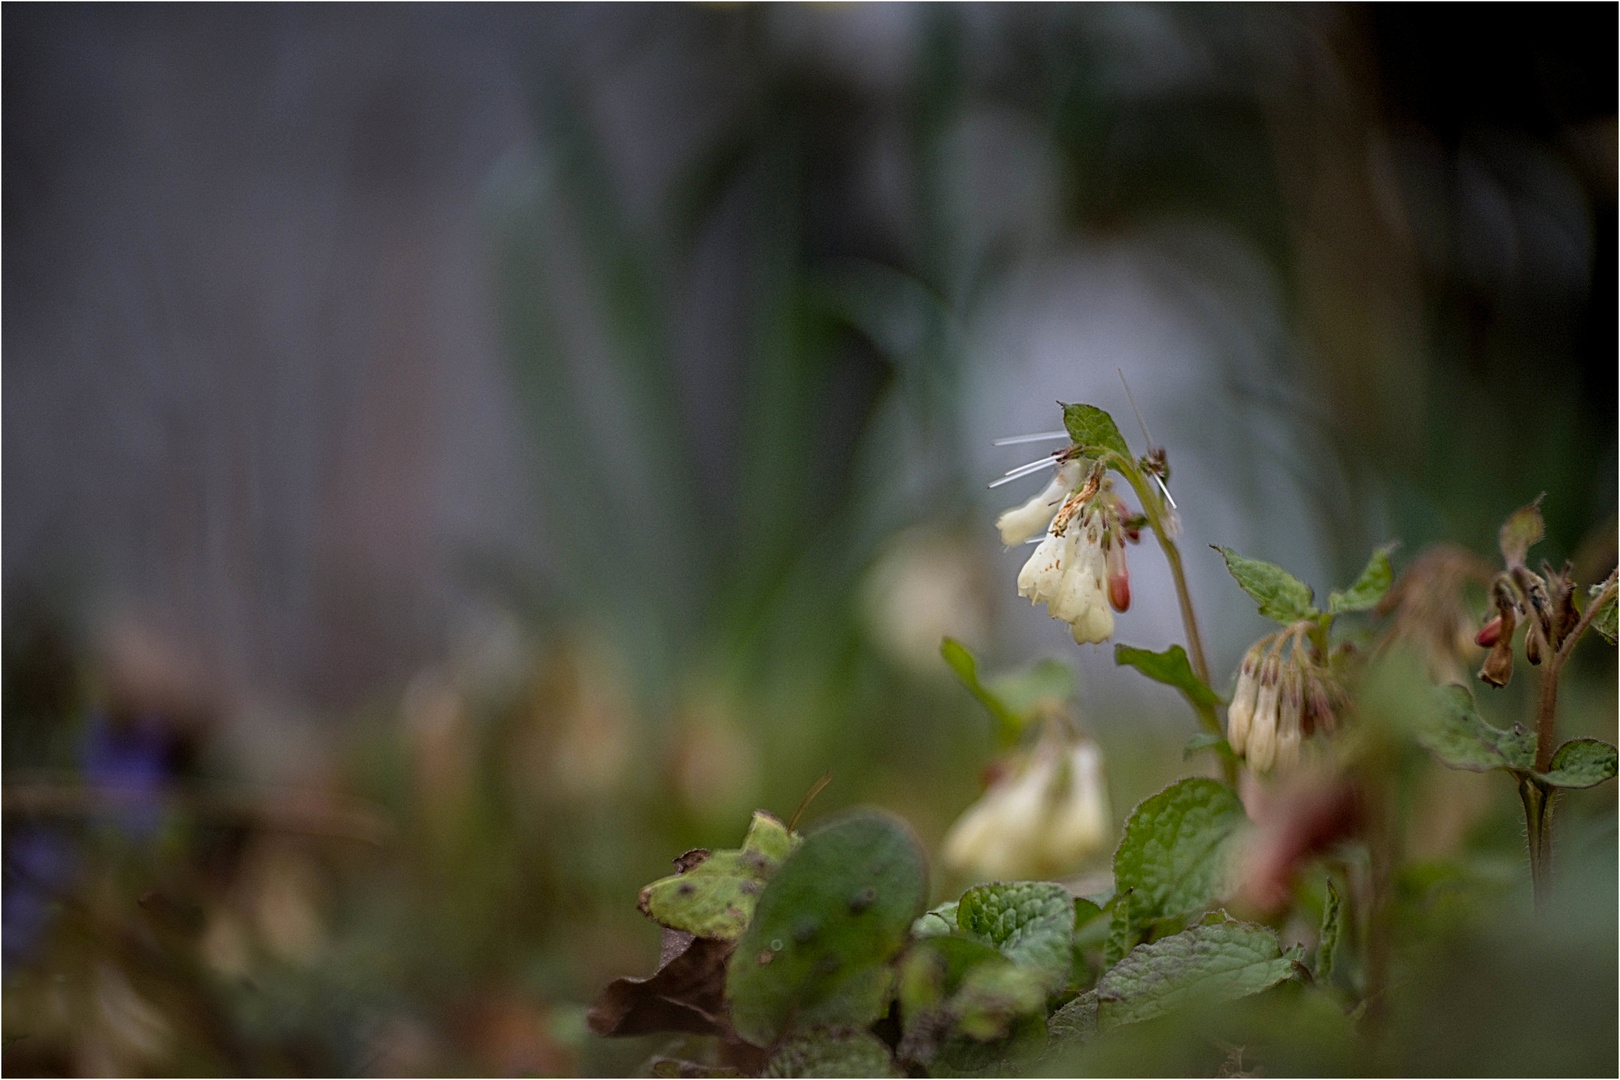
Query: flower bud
x=1290, y=712
x=1319, y=714
x=1262, y=742
x=1489, y=634
x=1241, y=711
x=1498, y=666
x=1119, y=575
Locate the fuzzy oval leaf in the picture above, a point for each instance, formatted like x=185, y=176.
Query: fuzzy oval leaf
x=1520, y=532
x=716, y=898
x=1030, y=922
x=1203, y=964
x=1454, y=732
x=1176, y=849
x=1581, y=763
x=1282, y=597
x=1170, y=667
x=1093, y=429
x=1369, y=588
x=825, y=1052
x=837, y=911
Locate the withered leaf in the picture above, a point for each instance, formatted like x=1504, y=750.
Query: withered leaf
x=686, y=993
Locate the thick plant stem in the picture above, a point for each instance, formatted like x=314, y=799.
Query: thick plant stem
x=1538, y=801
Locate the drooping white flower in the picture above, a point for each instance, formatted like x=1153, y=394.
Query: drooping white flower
x=1067, y=574
x=1026, y=520
x=1290, y=716
x=1262, y=743
x=1240, y=713
x=1041, y=819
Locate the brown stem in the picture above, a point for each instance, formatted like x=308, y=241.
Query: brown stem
x=1538, y=803
x=1547, y=705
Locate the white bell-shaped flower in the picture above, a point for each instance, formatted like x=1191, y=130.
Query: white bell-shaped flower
x=1026, y=520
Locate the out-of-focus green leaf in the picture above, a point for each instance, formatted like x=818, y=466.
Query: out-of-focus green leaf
x=1604, y=621
x=1085, y=911
x=1009, y=723
x=715, y=898
x=1520, y=532
x=1581, y=763
x=940, y=920
x=825, y=1052
x=837, y=911
x=1176, y=849
x=1031, y=922
x=1282, y=597
x=1171, y=668
x=1207, y=740
x=1454, y=732
x=1369, y=588
x=1092, y=430
x=993, y=997
x=1328, y=940
x=1202, y=964
x=1027, y=691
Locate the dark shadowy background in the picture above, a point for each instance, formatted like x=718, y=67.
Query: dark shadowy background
x=456, y=458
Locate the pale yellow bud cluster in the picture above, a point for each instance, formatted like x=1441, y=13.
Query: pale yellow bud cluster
x=1283, y=695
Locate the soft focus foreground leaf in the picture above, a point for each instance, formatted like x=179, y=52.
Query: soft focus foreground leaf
x=1009, y=723
x=1029, y=691
x=825, y=929
x=994, y=997
x=1329, y=938
x=1604, y=621
x=939, y=921
x=1202, y=964
x=1453, y=731
x=685, y=994
x=1177, y=845
x=1030, y=922
x=1520, y=532
x=1085, y=911
x=1092, y=429
x=1207, y=740
x=716, y=897
x=1581, y=763
x=831, y=1053
x=1282, y=597
x=1169, y=667
x=1369, y=588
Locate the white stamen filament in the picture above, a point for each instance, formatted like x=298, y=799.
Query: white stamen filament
x=1024, y=470
x=1040, y=436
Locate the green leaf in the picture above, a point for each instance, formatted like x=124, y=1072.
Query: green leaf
x=1581, y=763
x=1176, y=849
x=1121, y=936
x=825, y=929
x=937, y=922
x=1093, y=430
x=1203, y=964
x=1031, y=922
x=826, y=1052
x=1369, y=588
x=1453, y=731
x=1329, y=938
x=1521, y=531
x=1029, y=691
x=994, y=996
x=1604, y=621
x=1171, y=668
x=1282, y=597
x=715, y=898
x=1009, y=722
x=1207, y=740
x=1085, y=911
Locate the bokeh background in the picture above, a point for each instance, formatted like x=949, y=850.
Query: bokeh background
x=457, y=458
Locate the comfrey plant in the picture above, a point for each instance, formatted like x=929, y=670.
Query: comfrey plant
x=816, y=954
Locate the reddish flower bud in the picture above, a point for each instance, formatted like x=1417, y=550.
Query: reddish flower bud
x=1119, y=575
x=1489, y=634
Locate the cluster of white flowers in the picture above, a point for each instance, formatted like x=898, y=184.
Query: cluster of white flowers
x=1041, y=818
x=1078, y=571
x=1278, y=701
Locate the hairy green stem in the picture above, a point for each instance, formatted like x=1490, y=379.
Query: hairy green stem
x=1154, y=509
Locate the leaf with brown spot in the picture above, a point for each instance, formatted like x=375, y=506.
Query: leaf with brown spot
x=714, y=893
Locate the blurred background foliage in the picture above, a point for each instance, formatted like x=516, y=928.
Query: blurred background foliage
x=457, y=459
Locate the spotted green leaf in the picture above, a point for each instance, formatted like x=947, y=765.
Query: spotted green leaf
x=715, y=898
x=836, y=912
